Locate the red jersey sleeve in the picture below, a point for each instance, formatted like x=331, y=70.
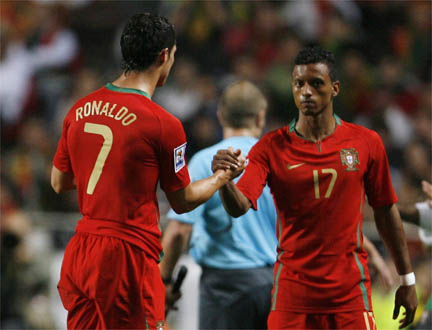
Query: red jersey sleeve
x=174, y=174
x=253, y=181
x=378, y=185
x=61, y=158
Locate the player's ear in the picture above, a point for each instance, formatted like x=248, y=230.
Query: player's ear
x=163, y=56
x=335, y=87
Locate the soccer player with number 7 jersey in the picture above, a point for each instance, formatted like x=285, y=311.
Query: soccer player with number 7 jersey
x=319, y=170
x=116, y=145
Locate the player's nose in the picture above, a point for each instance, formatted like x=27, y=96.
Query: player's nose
x=306, y=91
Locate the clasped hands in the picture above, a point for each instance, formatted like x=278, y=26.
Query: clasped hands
x=229, y=160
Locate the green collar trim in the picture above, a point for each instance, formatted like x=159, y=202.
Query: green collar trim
x=293, y=123
x=161, y=256
x=127, y=90
x=338, y=120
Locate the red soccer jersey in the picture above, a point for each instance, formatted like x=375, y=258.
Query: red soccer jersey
x=319, y=191
x=119, y=144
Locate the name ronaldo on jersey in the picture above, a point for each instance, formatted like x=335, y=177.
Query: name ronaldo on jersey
x=94, y=108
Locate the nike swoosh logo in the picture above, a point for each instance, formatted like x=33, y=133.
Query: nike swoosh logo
x=291, y=167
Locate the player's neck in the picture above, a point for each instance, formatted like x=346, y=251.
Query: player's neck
x=144, y=81
x=229, y=132
x=316, y=128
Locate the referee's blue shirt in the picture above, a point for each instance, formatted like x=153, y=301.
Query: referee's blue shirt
x=218, y=240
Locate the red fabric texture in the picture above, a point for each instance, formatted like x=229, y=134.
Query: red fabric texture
x=130, y=156
x=349, y=320
x=107, y=283
x=319, y=191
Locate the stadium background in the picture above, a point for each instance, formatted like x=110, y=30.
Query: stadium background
x=53, y=52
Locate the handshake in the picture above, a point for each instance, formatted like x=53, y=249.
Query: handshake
x=229, y=161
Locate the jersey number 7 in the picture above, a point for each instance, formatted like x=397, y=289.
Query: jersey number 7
x=106, y=132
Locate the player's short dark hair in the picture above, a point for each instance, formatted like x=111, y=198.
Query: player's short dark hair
x=315, y=54
x=240, y=104
x=143, y=37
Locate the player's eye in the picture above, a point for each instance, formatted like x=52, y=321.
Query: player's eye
x=316, y=83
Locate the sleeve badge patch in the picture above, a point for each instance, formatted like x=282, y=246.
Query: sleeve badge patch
x=349, y=158
x=179, y=157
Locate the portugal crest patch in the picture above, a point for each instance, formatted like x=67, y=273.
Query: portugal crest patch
x=350, y=159
x=179, y=157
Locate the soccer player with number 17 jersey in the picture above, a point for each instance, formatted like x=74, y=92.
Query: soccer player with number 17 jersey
x=319, y=169
x=116, y=145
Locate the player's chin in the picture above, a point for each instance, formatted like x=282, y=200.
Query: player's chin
x=310, y=111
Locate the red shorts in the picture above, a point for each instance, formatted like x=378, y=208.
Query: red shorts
x=346, y=320
x=107, y=283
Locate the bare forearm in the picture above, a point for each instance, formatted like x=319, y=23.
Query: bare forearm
x=234, y=202
x=200, y=191
x=197, y=192
x=390, y=227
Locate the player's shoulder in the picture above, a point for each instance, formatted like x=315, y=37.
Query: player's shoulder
x=138, y=100
x=275, y=135
x=164, y=116
x=276, y=132
x=361, y=132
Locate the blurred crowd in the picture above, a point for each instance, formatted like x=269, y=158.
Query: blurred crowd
x=54, y=52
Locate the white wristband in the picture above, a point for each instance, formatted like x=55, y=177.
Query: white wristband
x=408, y=279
